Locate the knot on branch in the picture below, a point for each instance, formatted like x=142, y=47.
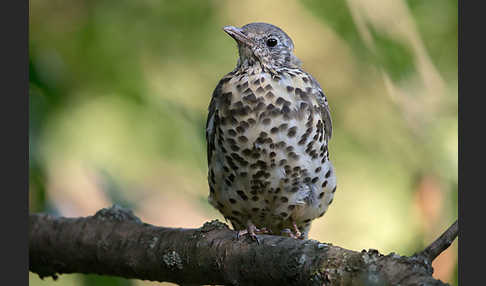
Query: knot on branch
x=213, y=225
x=117, y=213
x=172, y=260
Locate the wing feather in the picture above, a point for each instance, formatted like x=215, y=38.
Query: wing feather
x=324, y=107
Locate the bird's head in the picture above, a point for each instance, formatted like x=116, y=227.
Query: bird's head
x=264, y=44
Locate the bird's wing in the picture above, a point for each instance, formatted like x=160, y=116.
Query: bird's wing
x=212, y=120
x=324, y=107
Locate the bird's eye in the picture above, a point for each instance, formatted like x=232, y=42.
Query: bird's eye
x=272, y=42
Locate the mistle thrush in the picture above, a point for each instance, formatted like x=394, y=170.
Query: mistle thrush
x=267, y=136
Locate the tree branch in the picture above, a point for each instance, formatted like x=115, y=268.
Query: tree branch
x=115, y=242
x=441, y=243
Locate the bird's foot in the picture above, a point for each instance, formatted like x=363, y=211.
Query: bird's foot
x=287, y=232
x=252, y=232
x=297, y=231
x=293, y=234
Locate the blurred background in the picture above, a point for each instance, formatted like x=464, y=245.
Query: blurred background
x=119, y=92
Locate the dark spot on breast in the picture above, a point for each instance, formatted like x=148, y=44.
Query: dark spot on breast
x=304, y=96
x=302, y=140
x=321, y=195
x=257, y=81
x=292, y=131
x=330, y=202
x=259, y=106
x=240, y=129
x=251, y=98
x=270, y=107
x=260, y=140
x=280, y=101
x=275, y=112
x=274, y=130
x=225, y=79
x=286, y=110
x=328, y=174
x=232, y=132
x=294, y=189
x=290, y=88
x=324, y=184
x=266, y=121
x=303, y=105
x=269, y=95
x=233, y=201
x=315, y=179
x=228, y=182
x=334, y=190
x=281, y=144
x=238, y=104
x=242, y=195
x=258, y=174
x=242, y=139
x=255, y=155
x=283, y=126
x=282, y=162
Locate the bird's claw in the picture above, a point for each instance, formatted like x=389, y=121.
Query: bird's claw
x=252, y=231
x=296, y=234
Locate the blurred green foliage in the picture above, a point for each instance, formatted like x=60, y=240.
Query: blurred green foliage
x=119, y=94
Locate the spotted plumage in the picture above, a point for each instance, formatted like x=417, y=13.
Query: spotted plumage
x=267, y=135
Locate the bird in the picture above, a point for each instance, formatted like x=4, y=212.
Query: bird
x=267, y=133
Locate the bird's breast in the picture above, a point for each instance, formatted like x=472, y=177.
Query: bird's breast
x=271, y=156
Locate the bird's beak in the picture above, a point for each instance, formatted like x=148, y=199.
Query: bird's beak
x=237, y=34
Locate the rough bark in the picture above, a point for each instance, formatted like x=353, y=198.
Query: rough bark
x=115, y=242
